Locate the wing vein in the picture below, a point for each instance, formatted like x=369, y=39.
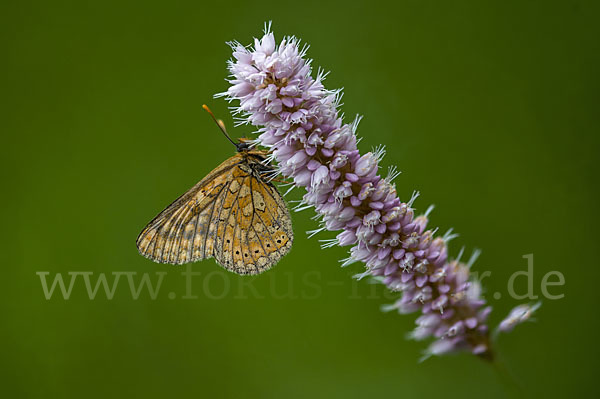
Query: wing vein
x=235, y=201
x=264, y=224
x=210, y=219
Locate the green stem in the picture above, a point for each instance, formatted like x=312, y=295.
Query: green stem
x=513, y=388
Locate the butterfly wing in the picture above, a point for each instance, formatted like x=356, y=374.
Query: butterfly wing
x=232, y=215
x=254, y=229
x=179, y=234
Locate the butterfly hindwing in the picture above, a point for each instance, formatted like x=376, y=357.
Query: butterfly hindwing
x=254, y=230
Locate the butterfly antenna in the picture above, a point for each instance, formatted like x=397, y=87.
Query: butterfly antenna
x=219, y=123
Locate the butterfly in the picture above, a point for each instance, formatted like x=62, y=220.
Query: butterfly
x=234, y=215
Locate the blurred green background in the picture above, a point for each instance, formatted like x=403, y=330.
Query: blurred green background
x=490, y=109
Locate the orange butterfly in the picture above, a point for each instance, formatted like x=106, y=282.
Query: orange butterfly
x=234, y=215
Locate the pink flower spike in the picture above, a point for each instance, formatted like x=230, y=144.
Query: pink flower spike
x=298, y=119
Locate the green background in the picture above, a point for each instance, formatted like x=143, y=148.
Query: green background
x=490, y=109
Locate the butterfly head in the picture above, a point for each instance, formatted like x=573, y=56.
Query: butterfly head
x=243, y=145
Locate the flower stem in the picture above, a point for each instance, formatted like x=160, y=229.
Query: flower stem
x=512, y=386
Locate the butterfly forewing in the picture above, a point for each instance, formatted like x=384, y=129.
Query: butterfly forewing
x=233, y=215
x=185, y=221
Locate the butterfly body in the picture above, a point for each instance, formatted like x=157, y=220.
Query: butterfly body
x=234, y=215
